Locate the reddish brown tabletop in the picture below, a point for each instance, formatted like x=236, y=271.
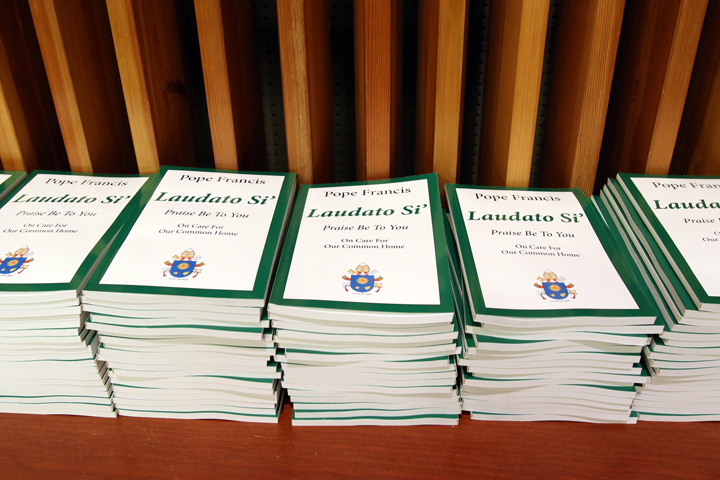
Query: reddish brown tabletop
x=52, y=447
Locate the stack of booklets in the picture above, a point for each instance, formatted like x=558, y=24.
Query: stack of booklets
x=179, y=299
x=55, y=227
x=556, y=319
x=363, y=307
x=672, y=234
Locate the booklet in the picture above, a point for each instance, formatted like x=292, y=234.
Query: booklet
x=199, y=233
x=541, y=258
x=55, y=226
x=680, y=213
x=365, y=249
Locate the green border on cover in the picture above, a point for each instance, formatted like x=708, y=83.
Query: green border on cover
x=91, y=258
x=661, y=235
x=445, y=292
x=472, y=279
x=265, y=267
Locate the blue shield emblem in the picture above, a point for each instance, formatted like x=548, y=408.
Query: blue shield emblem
x=556, y=290
x=182, y=268
x=362, y=283
x=11, y=264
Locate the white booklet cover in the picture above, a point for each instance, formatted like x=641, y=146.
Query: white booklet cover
x=52, y=223
x=201, y=229
x=683, y=215
x=357, y=245
x=529, y=251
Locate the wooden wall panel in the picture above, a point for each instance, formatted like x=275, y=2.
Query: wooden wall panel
x=232, y=83
x=147, y=47
x=77, y=50
x=63, y=105
x=588, y=34
x=30, y=136
x=516, y=45
x=378, y=69
x=304, y=28
x=697, y=151
x=654, y=63
x=442, y=46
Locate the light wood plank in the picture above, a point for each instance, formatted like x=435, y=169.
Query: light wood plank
x=682, y=56
x=441, y=79
x=17, y=151
x=697, y=151
x=304, y=28
x=588, y=34
x=652, y=74
x=147, y=46
x=77, y=50
x=30, y=136
x=137, y=96
x=452, y=46
x=232, y=83
x=378, y=55
x=516, y=46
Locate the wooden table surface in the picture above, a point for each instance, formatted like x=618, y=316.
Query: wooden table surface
x=57, y=447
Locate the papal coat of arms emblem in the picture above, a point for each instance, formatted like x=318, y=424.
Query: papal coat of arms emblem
x=184, y=265
x=16, y=262
x=554, y=288
x=362, y=280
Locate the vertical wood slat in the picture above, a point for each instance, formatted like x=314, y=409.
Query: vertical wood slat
x=232, y=83
x=30, y=136
x=77, y=50
x=378, y=51
x=516, y=45
x=147, y=47
x=652, y=74
x=441, y=75
x=304, y=28
x=682, y=56
x=72, y=30
x=697, y=151
x=16, y=147
x=588, y=35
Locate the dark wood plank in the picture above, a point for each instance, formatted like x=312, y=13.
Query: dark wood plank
x=76, y=44
x=232, y=83
x=697, y=151
x=147, y=47
x=587, y=40
x=654, y=63
x=516, y=44
x=30, y=135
